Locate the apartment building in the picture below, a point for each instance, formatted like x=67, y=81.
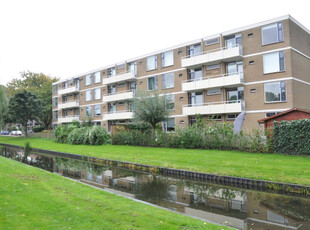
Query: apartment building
x=254, y=72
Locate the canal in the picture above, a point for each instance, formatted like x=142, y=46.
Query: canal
x=231, y=206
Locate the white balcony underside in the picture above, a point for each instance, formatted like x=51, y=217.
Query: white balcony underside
x=118, y=97
x=70, y=104
x=212, y=109
x=231, y=54
x=233, y=80
x=68, y=119
x=68, y=90
x=117, y=116
x=119, y=78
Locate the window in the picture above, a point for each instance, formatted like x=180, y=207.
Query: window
x=167, y=59
x=121, y=66
x=97, y=110
x=64, y=99
x=97, y=77
x=55, y=115
x=152, y=83
x=88, y=111
x=65, y=113
x=88, y=79
x=271, y=114
x=212, y=41
x=151, y=63
x=232, y=116
x=192, y=120
x=215, y=117
x=120, y=85
x=112, y=72
x=133, y=67
x=97, y=94
x=55, y=101
x=169, y=101
x=121, y=102
x=194, y=50
x=234, y=67
x=195, y=74
x=196, y=98
x=233, y=40
x=213, y=91
x=272, y=33
x=275, y=91
x=64, y=85
x=168, y=80
x=210, y=67
x=234, y=95
x=112, y=89
x=273, y=62
x=88, y=95
x=55, y=88
x=112, y=107
x=169, y=125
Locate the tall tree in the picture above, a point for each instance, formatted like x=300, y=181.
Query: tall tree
x=23, y=106
x=151, y=109
x=41, y=85
x=3, y=105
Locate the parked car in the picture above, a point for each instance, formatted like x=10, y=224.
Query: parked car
x=17, y=133
x=5, y=133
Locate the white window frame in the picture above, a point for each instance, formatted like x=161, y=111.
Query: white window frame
x=97, y=78
x=96, y=108
x=165, y=125
x=280, y=101
x=151, y=63
x=155, y=81
x=165, y=61
x=88, y=79
x=97, y=94
x=278, y=40
x=171, y=74
x=88, y=95
x=171, y=98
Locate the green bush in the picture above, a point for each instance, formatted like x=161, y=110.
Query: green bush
x=98, y=136
x=76, y=136
x=292, y=137
x=38, y=129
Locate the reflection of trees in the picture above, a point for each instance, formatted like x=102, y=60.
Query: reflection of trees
x=270, y=96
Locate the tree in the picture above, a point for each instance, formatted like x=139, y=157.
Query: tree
x=41, y=85
x=23, y=106
x=151, y=109
x=3, y=106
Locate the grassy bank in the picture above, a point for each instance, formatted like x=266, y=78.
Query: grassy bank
x=280, y=168
x=31, y=198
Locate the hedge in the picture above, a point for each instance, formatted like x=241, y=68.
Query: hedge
x=292, y=137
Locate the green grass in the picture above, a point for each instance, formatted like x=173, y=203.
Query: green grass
x=31, y=198
x=274, y=167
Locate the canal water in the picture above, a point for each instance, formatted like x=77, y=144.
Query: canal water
x=238, y=208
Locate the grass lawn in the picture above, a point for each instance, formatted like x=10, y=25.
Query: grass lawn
x=31, y=198
x=274, y=167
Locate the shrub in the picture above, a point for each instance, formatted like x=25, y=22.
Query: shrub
x=98, y=136
x=37, y=129
x=76, y=136
x=62, y=133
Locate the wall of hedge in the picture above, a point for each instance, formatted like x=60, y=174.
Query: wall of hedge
x=292, y=137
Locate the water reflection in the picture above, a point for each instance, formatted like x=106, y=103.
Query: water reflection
x=239, y=208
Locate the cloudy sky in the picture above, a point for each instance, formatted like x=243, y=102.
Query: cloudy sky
x=64, y=38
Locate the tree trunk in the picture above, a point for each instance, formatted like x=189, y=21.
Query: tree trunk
x=25, y=128
x=153, y=131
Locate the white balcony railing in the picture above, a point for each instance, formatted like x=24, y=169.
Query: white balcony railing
x=68, y=119
x=67, y=90
x=221, y=54
x=221, y=107
x=232, y=79
x=126, y=76
x=118, y=115
x=68, y=104
x=119, y=96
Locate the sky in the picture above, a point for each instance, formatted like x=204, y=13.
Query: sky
x=64, y=38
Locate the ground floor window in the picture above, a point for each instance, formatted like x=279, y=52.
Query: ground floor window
x=231, y=117
x=169, y=125
x=215, y=117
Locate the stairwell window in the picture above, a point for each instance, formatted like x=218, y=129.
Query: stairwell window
x=272, y=33
x=97, y=94
x=275, y=92
x=151, y=63
x=88, y=79
x=152, y=83
x=88, y=95
x=168, y=80
x=167, y=59
x=274, y=62
x=97, y=77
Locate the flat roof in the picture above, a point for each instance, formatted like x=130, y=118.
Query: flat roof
x=287, y=16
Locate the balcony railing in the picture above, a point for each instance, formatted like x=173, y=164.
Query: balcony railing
x=68, y=104
x=233, y=53
x=68, y=119
x=221, y=107
x=117, y=115
x=119, y=96
x=121, y=77
x=70, y=89
x=222, y=80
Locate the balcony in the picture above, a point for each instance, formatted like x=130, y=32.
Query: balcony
x=120, y=96
x=118, y=115
x=68, y=119
x=68, y=104
x=216, y=81
x=127, y=76
x=221, y=107
x=72, y=89
x=213, y=56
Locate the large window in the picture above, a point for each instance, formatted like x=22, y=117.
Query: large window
x=152, y=83
x=169, y=101
x=55, y=115
x=272, y=33
x=97, y=94
x=195, y=74
x=168, y=80
x=151, y=63
x=275, y=91
x=234, y=67
x=88, y=111
x=234, y=95
x=97, y=77
x=196, y=98
x=97, y=110
x=88, y=79
x=112, y=72
x=274, y=62
x=55, y=88
x=55, y=101
x=233, y=40
x=88, y=95
x=194, y=50
x=167, y=59
x=169, y=125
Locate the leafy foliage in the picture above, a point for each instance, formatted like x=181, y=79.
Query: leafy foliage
x=3, y=106
x=38, y=129
x=292, y=137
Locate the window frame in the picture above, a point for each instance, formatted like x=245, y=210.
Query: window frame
x=279, y=59
x=282, y=28
x=97, y=107
x=217, y=92
x=163, y=80
x=280, y=101
x=88, y=110
x=95, y=77
x=165, y=125
x=171, y=99
x=155, y=62
x=155, y=83
x=88, y=92
x=98, y=92
x=163, y=59
x=88, y=76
